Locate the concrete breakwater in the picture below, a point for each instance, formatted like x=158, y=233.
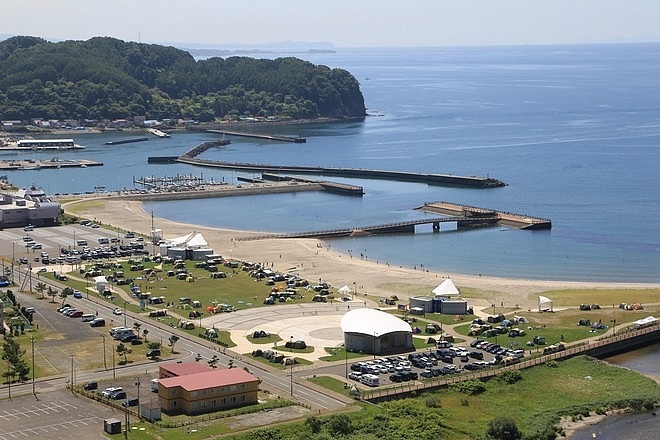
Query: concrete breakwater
x=429, y=179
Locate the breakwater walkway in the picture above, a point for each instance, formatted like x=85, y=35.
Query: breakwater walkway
x=502, y=218
x=390, y=228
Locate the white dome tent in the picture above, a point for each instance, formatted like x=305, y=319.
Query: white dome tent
x=376, y=332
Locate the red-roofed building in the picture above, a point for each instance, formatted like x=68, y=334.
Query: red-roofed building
x=181, y=369
x=187, y=388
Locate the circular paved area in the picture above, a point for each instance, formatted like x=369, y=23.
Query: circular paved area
x=317, y=324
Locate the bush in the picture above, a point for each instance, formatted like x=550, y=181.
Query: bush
x=503, y=428
x=510, y=376
x=470, y=387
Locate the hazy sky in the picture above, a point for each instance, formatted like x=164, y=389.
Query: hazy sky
x=345, y=23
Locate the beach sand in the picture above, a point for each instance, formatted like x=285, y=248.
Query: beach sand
x=314, y=260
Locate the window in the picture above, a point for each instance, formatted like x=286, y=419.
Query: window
x=214, y=403
x=233, y=388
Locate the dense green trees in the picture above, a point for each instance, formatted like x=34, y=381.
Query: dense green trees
x=109, y=78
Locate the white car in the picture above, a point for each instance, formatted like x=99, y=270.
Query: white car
x=116, y=311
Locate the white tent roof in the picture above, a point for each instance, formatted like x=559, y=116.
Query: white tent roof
x=649, y=320
x=446, y=288
x=372, y=322
x=545, y=303
x=344, y=289
x=100, y=279
x=194, y=239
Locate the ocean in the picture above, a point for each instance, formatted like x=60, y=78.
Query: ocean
x=573, y=130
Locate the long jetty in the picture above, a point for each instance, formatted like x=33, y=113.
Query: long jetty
x=270, y=137
x=190, y=157
x=390, y=228
x=503, y=218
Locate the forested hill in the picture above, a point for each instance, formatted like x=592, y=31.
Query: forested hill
x=109, y=78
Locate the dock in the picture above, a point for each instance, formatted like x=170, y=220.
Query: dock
x=30, y=164
x=519, y=221
x=270, y=137
x=157, y=133
x=127, y=141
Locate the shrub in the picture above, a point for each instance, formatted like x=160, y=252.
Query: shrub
x=470, y=387
x=503, y=428
x=509, y=376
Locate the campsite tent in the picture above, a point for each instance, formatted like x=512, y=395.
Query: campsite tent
x=545, y=304
x=344, y=290
x=446, y=288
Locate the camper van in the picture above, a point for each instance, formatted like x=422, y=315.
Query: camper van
x=370, y=379
x=154, y=385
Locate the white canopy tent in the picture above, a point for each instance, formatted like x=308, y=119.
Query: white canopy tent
x=545, y=303
x=344, y=290
x=192, y=240
x=446, y=288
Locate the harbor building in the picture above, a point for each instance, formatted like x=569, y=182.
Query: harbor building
x=28, y=206
x=445, y=299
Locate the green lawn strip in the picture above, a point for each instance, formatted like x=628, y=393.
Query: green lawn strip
x=535, y=403
x=330, y=383
x=279, y=366
x=270, y=339
x=339, y=354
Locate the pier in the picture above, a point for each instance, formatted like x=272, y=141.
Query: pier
x=127, y=141
x=30, y=164
x=407, y=227
x=157, y=133
x=270, y=137
x=503, y=218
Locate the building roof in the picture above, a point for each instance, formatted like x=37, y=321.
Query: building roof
x=372, y=322
x=192, y=240
x=185, y=368
x=209, y=379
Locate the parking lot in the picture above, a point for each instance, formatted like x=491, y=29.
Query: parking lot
x=443, y=361
x=57, y=414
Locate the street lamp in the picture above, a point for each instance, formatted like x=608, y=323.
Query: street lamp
x=32, y=341
x=105, y=365
x=124, y=313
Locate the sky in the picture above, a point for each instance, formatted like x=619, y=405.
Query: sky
x=344, y=23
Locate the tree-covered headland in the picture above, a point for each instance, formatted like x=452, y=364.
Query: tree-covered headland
x=106, y=78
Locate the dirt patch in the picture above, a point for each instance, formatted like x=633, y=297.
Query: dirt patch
x=267, y=417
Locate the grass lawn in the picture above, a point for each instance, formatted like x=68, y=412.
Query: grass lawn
x=535, y=403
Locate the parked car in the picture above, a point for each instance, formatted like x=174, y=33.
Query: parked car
x=98, y=322
x=153, y=353
x=130, y=402
x=119, y=395
x=116, y=311
x=110, y=391
x=91, y=386
x=136, y=341
x=77, y=294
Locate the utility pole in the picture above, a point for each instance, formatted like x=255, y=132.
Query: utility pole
x=137, y=383
x=32, y=341
x=105, y=365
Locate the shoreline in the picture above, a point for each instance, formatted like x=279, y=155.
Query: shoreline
x=313, y=259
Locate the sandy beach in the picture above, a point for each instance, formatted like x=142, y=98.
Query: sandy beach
x=314, y=260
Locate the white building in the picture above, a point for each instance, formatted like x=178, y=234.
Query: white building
x=29, y=206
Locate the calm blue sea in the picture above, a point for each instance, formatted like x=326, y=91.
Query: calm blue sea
x=573, y=130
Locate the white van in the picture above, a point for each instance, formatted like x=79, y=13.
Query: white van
x=81, y=242
x=114, y=330
x=88, y=317
x=104, y=240
x=517, y=354
x=370, y=379
x=154, y=385
x=122, y=334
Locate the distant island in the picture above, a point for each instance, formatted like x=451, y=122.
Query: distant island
x=107, y=79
